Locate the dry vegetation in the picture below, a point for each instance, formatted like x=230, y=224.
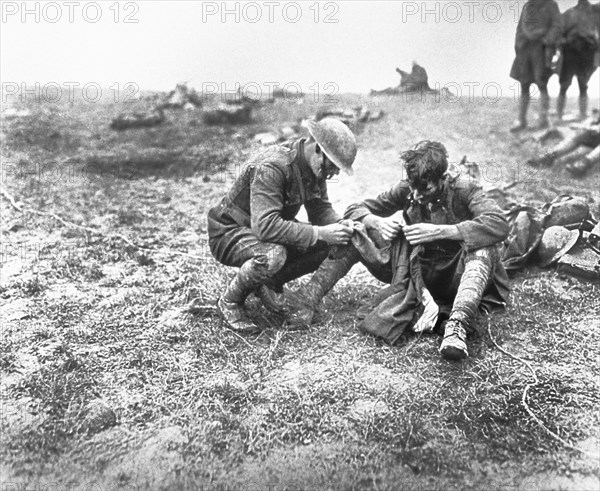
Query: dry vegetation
x=107, y=378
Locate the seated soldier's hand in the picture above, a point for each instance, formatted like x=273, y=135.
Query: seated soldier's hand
x=335, y=233
x=421, y=233
x=347, y=222
x=389, y=227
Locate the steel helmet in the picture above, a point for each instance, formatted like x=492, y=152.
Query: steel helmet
x=336, y=140
x=556, y=242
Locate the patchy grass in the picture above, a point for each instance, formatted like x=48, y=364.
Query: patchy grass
x=88, y=317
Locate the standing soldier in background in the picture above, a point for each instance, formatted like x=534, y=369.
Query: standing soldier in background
x=538, y=33
x=580, y=44
x=254, y=226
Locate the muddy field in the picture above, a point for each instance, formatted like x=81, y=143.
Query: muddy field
x=110, y=381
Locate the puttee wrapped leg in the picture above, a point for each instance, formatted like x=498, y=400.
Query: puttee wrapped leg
x=307, y=298
x=474, y=280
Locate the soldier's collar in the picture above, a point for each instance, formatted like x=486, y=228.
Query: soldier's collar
x=302, y=162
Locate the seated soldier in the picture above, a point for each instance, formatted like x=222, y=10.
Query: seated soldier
x=588, y=136
x=253, y=227
x=450, y=231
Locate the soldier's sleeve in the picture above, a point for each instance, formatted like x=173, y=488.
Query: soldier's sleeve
x=385, y=205
x=320, y=211
x=488, y=226
x=266, y=205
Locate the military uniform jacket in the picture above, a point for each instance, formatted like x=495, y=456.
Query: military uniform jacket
x=479, y=220
x=439, y=264
x=268, y=194
x=462, y=203
x=540, y=21
x=581, y=21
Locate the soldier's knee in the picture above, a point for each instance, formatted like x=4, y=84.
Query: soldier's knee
x=488, y=255
x=276, y=258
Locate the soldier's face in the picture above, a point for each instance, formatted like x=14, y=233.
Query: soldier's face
x=327, y=168
x=425, y=192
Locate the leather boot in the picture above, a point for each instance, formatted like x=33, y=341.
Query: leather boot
x=272, y=299
x=231, y=304
x=271, y=293
x=306, y=300
x=561, y=102
x=583, y=107
x=474, y=280
x=522, y=123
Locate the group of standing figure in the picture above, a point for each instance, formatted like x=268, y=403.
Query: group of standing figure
x=542, y=34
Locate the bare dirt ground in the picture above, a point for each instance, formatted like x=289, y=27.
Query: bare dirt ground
x=108, y=381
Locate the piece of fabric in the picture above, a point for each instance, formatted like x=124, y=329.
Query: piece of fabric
x=436, y=267
x=538, y=33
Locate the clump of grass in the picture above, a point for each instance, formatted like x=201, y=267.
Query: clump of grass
x=61, y=392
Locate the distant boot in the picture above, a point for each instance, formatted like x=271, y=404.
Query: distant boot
x=522, y=123
x=561, y=102
x=476, y=277
x=579, y=168
x=308, y=297
x=231, y=304
x=544, y=108
x=583, y=107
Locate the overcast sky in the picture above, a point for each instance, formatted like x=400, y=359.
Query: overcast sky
x=353, y=46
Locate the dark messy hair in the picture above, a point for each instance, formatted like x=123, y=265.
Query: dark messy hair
x=425, y=163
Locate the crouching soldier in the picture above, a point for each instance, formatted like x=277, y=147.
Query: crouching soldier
x=444, y=236
x=254, y=226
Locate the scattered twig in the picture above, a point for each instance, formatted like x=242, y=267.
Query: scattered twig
x=10, y=199
x=526, y=391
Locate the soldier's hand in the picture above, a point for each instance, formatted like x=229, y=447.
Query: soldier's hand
x=421, y=233
x=389, y=228
x=335, y=233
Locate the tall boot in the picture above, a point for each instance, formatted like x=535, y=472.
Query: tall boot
x=231, y=304
x=561, y=102
x=523, y=107
x=307, y=298
x=583, y=107
x=473, y=282
x=271, y=293
x=544, y=108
